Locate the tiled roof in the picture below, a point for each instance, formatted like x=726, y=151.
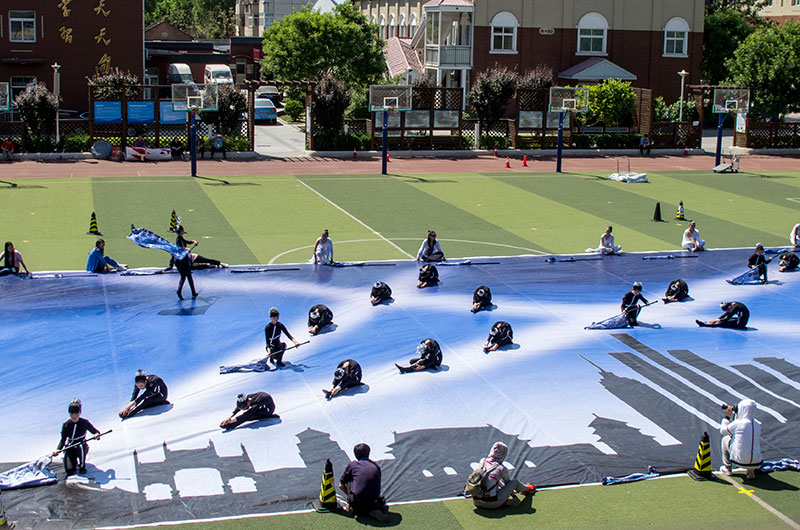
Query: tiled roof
x=448, y=3
x=400, y=56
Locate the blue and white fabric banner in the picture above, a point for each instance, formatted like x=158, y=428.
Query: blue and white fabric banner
x=147, y=239
x=750, y=277
x=36, y=473
x=784, y=464
x=615, y=322
x=634, y=477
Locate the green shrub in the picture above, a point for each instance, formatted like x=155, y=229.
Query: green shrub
x=294, y=109
x=467, y=142
x=342, y=142
x=491, y=142
x=583, y=141
x=236, y=143
x=76, y=143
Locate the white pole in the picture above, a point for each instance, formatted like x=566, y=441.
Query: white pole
x=57, y=92
x=683, y=74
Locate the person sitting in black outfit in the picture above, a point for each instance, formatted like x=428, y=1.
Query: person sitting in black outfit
x=361, y=482
x=788, y=261
x=428, y=276
x=501, y=334
x=759, y=262
x=148, y=391
x=346, y=375
x=630, y=304
x=255, y=406
x=429, y=356
x=272, y=333
x=481, y=299
x=176, y=148
x=380, y=293
x=319, y=316
x=735, y=316
x=677, y=290
x=196, y=260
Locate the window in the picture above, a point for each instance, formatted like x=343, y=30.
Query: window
x=20, y=83
x=22, y=26
x=401, y=26
x=412, y=25
x=382, y=25
x=391, y=26
x=675, y=35
x=504, y=32
x=592, y=32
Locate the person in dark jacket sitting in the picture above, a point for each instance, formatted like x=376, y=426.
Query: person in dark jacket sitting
x=380, y=293
x=429, y=356
x=428, y=276
x=319, y=316
x=250, y=407
x=346, y=375
x=735, y=316
x=148, y=391
x=501, y=334
x=677, y=290
x=481, y=299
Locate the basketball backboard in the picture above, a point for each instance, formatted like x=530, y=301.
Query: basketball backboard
x=191, y=96
x=389, y=97
x=569, y=99
x=727, y=100
x=5, y=97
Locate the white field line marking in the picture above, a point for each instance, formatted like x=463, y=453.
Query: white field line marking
x=354, y=218
x=763, y=504
x=794, y=199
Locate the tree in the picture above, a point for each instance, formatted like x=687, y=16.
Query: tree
x=725, y=28
x=114, y=84
x=202, y=19
x=540, y=77
x=232, y=104
x=309, y=44
x=330, y=101
x=611, y=102
x=490, y=93
x=768, y=62
x=37, y=108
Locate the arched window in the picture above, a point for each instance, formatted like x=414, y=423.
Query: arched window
x=592, y=33
x=382, y=26
x=504, y=32
x=676, y=33
x=401, y=26
x=391, y=26
x=412, y=25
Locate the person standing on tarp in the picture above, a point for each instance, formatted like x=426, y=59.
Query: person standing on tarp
x=361, y=482
x=198, y=261
x=148, y=391
x=73, y=433
x=735, y=316
x=250, y=407
x=630, y=304
x=323, y=250
x=272, y=333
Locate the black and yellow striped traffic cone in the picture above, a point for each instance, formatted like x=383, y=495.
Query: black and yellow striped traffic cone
x=702, y=464
x=327, y=494
x=93, y=230
x=173, y=222
x=3, y=518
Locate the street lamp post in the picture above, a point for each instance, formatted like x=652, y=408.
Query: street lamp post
x=683, y=74
x=57, y=92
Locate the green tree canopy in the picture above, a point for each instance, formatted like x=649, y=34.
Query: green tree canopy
x=611, y=102
x=308, y=44
x=232, y=105
x=768, y=62
x=37, y=108
x=725, y=28
x=202, y=19
x=490, y=93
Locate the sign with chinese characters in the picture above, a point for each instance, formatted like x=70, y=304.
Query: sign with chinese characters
x=141, y=112
x=108, y=112
x=167, y=115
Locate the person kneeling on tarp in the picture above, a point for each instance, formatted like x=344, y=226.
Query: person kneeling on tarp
x=741, y=438
x=73, y=438
x=361, y=482
x=501, y=334
x=380, y=293
x=148, y=391
x=250, y=407
x=428, y=276
x=346, y=375
x=758, y=262
x=272, y=333
x=491, y=486
x=481, y=299
x=429, y=355
x=630, y=304
x=677, y=290
x=319, y=316
x=98, y=262
x=735, y=316
x=788, y=262
x=323, y=250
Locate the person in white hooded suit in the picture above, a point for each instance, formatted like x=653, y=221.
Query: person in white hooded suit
x=740, y=438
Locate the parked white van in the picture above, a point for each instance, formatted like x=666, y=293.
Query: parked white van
x=179, y=73
x=219, y=74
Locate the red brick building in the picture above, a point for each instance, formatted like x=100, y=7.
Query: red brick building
x=83, y=36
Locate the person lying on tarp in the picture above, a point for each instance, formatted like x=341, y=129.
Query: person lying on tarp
x=197, y=261
x=759, y=262
x=98, y=261
x=319, y=316
x=428, y=276
x=272, y=333
x=501, y=334
x=735, y=316
x=677, y=290
x=788, y=261
x=250, y=407
x=429, y=356
x=380, y=293
x=346, y=375
x=73, y=433
x=148, y=391
x=481, y=298
x=630, y=304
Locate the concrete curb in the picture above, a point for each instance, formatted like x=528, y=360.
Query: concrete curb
x=50, y=157
x=502, y=153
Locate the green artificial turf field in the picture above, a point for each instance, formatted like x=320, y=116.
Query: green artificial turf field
x=277, y=219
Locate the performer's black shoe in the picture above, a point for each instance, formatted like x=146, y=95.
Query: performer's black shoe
x=402, y=370
x=327, y=393
x=280, y=364
x=701, y=323
x=82, y=471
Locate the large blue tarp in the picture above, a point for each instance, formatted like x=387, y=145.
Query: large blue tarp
x=573, y=405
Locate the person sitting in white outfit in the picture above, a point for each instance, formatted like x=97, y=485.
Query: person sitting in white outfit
x=430, y=250
x=794, y=236
x=607, y=245
x=691, y=239
x=323, y=250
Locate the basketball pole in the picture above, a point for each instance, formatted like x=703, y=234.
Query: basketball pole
x=719, y=137
x=193, y=142
x=385, y=140
x=560, y=140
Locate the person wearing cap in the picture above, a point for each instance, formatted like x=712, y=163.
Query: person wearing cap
x=361, y=482
x=500, y=487
x=11, y=260
x=630, y=304
x=319, y=316
x=98, y=262
x=250, y=407
x=677, y=290
x=794, y=236
x=428, y=276
x=346, y=375
x=501, y=334
x=429, y=356
x=73, y=439
x=691, y=239
x=197, y=261
x=735, y=316
x=272, y=333
x=430, y=250
x=380, y=293
x=481, y=298
x=323, y=250
x=759, y=262
x=148, y=391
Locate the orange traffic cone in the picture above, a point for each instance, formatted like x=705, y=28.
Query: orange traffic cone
x=387, y=157
x=355, y=155
x=525, y=161
x=686, y=150
x=495, y=152
x=508, y=161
